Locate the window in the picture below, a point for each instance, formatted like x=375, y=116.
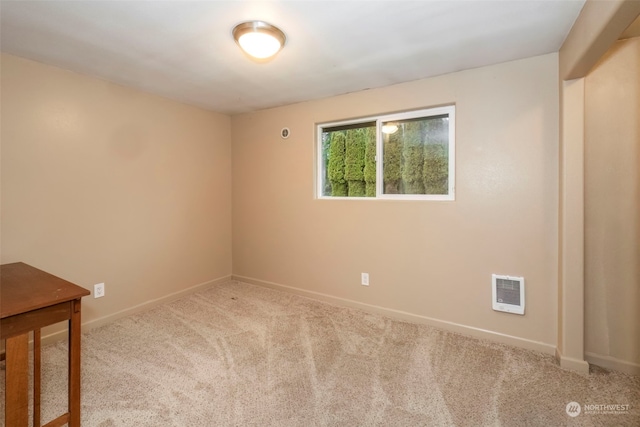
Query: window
x=400, y=156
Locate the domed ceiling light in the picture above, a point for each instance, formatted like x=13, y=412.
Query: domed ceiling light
x=389, y=128
x=259, y=39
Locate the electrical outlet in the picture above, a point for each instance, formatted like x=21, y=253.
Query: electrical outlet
x=365, y=279
x=98, y=290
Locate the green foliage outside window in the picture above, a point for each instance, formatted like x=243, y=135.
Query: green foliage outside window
x=354, y=162
x=349, y=159
x=392, y=163
x=370, y=162
x=326, y=143
x=436, y=169
x=412, y=158
x=336, y=164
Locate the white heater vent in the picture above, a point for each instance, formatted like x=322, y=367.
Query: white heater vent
x=508, y=293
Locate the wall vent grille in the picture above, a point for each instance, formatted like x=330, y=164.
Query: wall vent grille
x=508, y=293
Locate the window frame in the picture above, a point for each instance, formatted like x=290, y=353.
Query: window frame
x=320, y=170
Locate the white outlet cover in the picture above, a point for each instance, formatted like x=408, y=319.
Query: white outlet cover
x=365, y=279
x=98, y=290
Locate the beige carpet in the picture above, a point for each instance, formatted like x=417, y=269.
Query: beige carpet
x=241, y=355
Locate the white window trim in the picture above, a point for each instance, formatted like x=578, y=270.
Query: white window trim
x=320, y=170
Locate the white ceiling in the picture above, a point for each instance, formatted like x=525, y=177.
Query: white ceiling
x=184, y=49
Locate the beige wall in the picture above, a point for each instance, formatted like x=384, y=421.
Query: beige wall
x=612, y=206
x=101, y=183
x=431, y=259
x=595, y=30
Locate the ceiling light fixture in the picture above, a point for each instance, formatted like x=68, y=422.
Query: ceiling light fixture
x=259, y=39
x=389, y=128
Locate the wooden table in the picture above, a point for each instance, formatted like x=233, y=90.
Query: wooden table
x=31, y=299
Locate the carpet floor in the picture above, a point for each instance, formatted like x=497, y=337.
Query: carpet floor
x=241, y=355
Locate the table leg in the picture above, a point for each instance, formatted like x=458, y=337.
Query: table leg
x=17, y=381
x=74, y=364
x=37, y=372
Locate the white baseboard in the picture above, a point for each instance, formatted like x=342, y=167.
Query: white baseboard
x=410, y=317
x=147, y=305
x=613, y=363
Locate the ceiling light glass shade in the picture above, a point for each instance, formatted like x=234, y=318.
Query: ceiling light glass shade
x=389, y=128
x=259, y=39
